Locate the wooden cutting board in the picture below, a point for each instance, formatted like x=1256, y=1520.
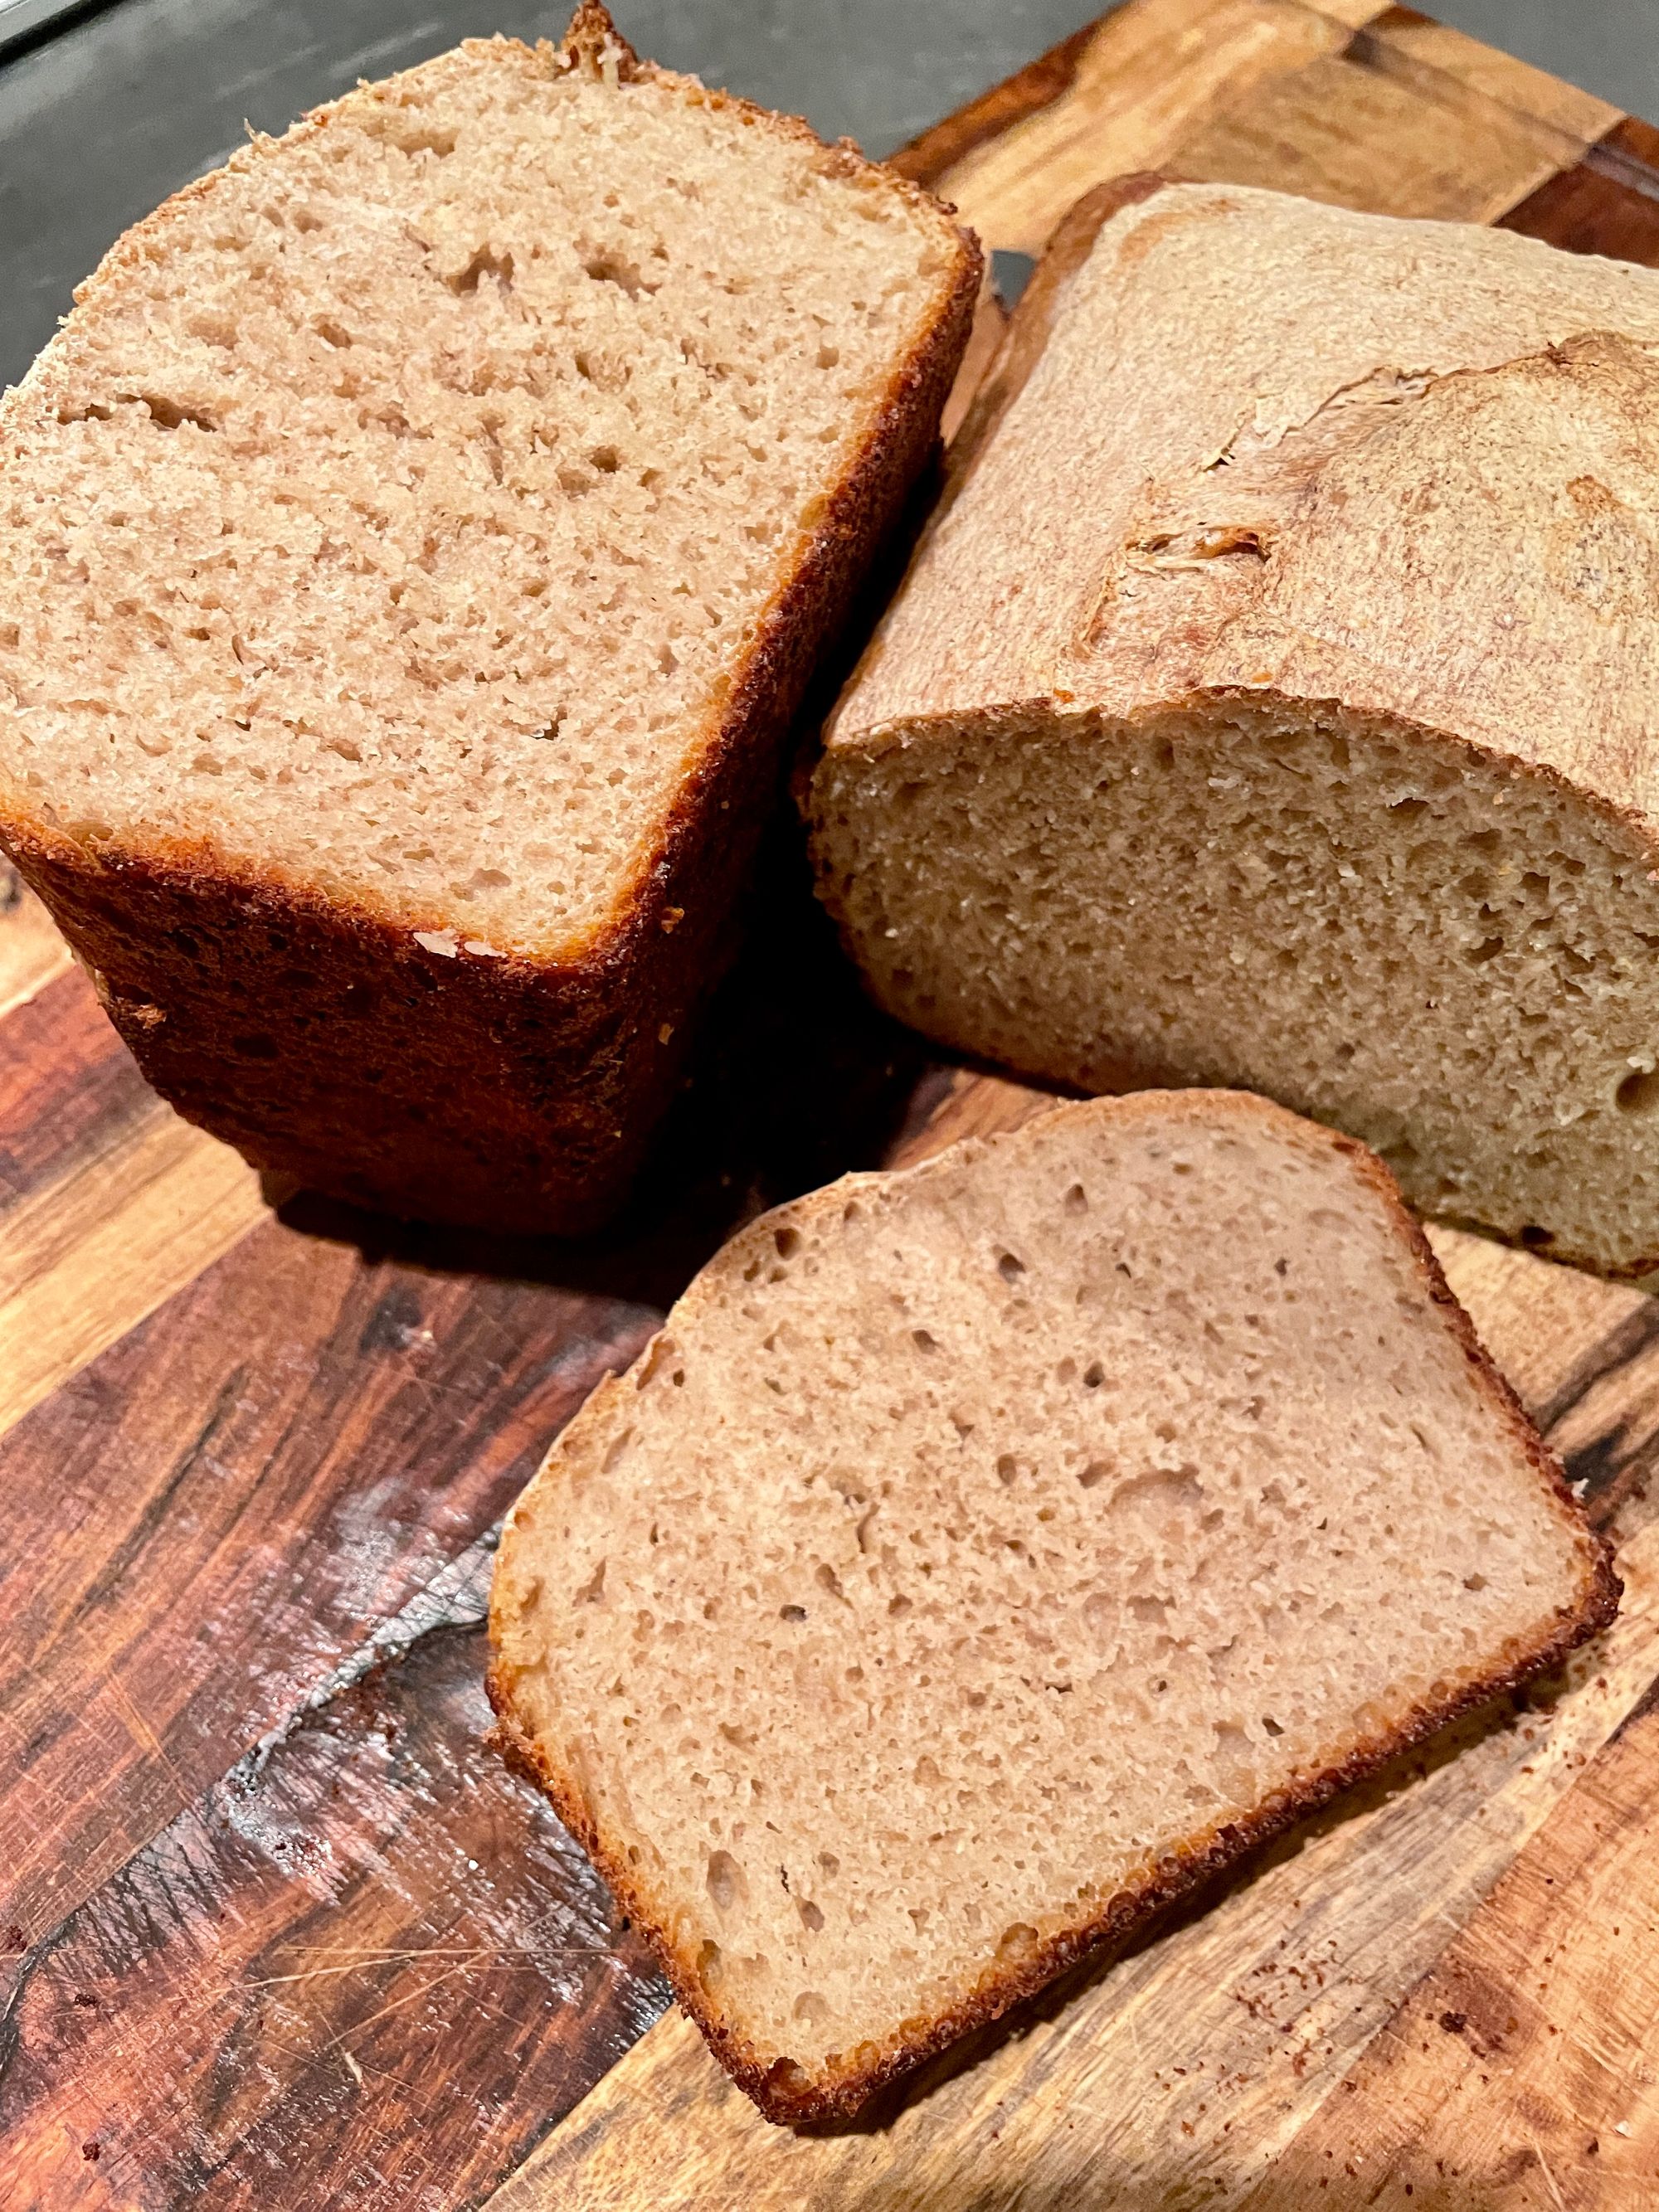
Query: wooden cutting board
x=276, y=1929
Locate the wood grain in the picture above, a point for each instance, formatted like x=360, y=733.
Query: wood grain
x=32, y=953
x=1458, y=154
x=1122, y=95
x=208, y=1518
x=1299, y=97
x=361, y=1969
x=1549, y=1994
x=1195, y=2066
x=1606, y=203
x=110, y=1202
x=249, y=1455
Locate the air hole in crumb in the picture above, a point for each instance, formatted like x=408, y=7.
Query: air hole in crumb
x=606, y=267
x=1076, y=1200
x=810, y=1917
x=1009, y=1268
x=810, y=2006
x=1638, y=1093
x=593, y=1590
x=1096, y=1471
x=1271, y=1725
x=172, y=414
x=1017, y=1942
x=1093, y=1375
x=725, y=1878
x=791, y=1612
x=427, y=139
x=1474, y=1582
x=1162, y=1486
x=788, y=1242
x=1007, y=1468
x=710, y=1965
x=924, y=1340
x=485, y=264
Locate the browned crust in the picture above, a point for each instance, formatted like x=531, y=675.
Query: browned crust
x=515, y=1094
x=783, y=2091
x=1024, y=343
x=1031, y=324
x=1023, y=338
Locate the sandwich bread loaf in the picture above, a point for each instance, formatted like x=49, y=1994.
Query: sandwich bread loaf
x=411, y=548
x=1270, y=702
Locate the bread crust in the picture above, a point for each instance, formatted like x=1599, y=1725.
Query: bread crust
x=513, y=1093
x=782, y=2089
x=1306, y=659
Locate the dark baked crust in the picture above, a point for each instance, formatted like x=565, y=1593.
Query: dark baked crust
x=783, y=2090
x=517, y=1094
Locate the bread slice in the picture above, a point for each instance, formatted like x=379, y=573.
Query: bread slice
x=411, y=550
x=1271, y=702
x=985, y=1554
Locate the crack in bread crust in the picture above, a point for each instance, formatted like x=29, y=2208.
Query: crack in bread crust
x=1421, y=529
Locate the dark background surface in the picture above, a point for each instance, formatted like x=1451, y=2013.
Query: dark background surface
x=100, y=119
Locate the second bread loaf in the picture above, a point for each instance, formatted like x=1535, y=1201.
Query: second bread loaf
x=1271, y=702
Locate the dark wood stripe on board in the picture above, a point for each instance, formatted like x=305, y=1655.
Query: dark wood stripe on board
x=367, y=1968
x=206, y=1519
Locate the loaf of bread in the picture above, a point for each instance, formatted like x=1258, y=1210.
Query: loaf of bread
x=411, y=550
x=985, y=1554
x=1270, y=702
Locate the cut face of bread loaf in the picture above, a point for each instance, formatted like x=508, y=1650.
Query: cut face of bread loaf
x=410, y=551
x=983, y=1555
x=1270, y=703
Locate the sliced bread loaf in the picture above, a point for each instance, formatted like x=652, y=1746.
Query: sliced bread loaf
x=410, y=551
x=1270, y=703
x=983, y=1555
